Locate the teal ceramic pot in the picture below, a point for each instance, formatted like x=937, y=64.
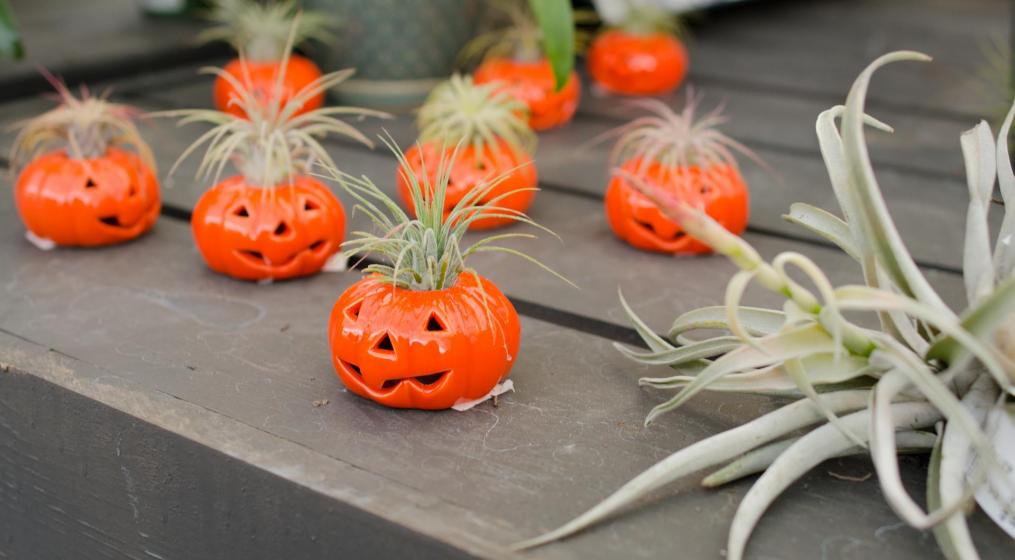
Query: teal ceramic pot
x=400, y=48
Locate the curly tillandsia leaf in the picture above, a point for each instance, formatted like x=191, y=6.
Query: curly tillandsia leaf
x=707, y=453
x=824, y=224
x=760, y=459
x=792, y=343
x=947, y=483
x=269, y=145
x=684, y=354
x=260, y=29
x=810, y=450
x=977, y=263
x=872, y=214
x=424, y=252
x=1004, y=250
x=982, y=321
x=83, y=127
x=758, y=321
x=459, y=111
x=652, y=340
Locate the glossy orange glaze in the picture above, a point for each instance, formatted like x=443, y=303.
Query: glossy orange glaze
x=87, y=202
x=470, y=169
x=532, y=82
x=719, y=190
x=299, y=73
x=413, y=349
x=256, y=233
x=637, y=64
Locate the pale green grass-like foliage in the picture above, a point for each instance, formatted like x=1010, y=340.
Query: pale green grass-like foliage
x=85, y=127
x=259, y=29
x=878, y=391
x=460, y=111
x=425, y=252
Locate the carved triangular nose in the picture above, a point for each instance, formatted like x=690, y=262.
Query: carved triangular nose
x=384, y=345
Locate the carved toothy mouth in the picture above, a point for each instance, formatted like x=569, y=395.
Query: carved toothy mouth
x=257, y=258
x=389, y=385
x=676, y=236
x=112, y=221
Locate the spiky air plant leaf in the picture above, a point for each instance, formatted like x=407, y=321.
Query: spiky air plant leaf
x=515, y=34
x=425, y=253
x=85, y=127
x=270, y=145
x=259, y=29
x=858, y=390
x=460, y=111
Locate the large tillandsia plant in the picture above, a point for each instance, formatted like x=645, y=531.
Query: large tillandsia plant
x=859, y=390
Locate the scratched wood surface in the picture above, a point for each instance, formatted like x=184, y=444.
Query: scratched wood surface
x=150, y=408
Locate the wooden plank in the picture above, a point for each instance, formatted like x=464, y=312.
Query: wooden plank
x=817, y=48
x=236, y=367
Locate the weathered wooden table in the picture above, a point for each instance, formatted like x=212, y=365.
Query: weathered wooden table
x=152, y=409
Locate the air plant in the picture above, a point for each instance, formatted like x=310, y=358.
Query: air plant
x=86, y=177
x=858, y=390
x=687, y=156
x=264, y=33
x=421, y=329
x=274, y=219
x=495, y=141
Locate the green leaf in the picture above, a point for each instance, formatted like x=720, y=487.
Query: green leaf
x=556, y=21
x=10, y=36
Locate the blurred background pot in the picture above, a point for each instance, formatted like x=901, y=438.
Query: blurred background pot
x=400, y=49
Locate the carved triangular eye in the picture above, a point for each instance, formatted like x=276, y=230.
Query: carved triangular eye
x=434, y=323
x=352, y=311
x=310, y=205
x=241, y=211
x=90, y=184
x=384, y=344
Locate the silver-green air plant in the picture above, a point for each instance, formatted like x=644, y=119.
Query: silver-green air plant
x=425, y=252
x=259, y=29
x=84, y=127
x=460, y=111
x=924, y=380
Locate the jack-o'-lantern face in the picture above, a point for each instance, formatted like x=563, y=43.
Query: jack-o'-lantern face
x=718, y=189
x=255, y=233
x=263, y=80
x=470, y=170
x=423, y=349
x=87, y=202
x=533, y=83
x=636, y=64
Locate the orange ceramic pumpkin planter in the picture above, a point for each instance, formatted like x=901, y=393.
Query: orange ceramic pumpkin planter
x=421, y=330
x=452, y=122
x=532, y=82
x=718, y=190
x=263, y=33
x=637, y=64
x=681, y=159
x=86, y=178
x=423, y=349
x=255, y=233
x=272, y=221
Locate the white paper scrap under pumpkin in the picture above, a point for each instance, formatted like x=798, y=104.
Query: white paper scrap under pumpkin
x=41, y=243
x=499, y=389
